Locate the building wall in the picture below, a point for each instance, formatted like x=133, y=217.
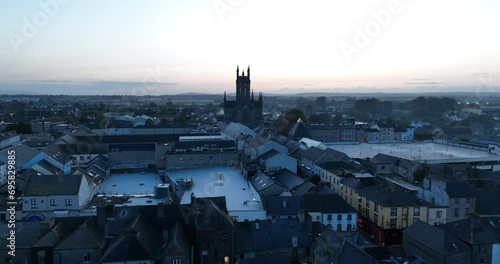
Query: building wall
x=85, y=193
x=44, y=208
x=213, y=246
x=121, y=159
x=9, y=141
x=3, y=174
x=332, y=178
x=463, y=206
x=437, y=215
x=76, y=256
x=347, y=222
x=196, y=160
x=280, y=161
x=382, y=216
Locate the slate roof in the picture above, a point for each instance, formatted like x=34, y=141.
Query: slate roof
x=49, y=167
x=336, y=249
x=485, y=230
x=211, y=217
x=459, y=189
x=237, y=130
x=316, y=154
x=290, y=144
x=313, y=153
x=269, y=154
x=382, y=194
x=303, y=188
x=283, y=205
x=265, y=185
x=177, y=242
x=23, y=153
x=299, y=130
x=485, y=205
x=257, y=141
x=288, y=179
x=383, y=159
x=434, y=238
x=141, y=241
x=84, y=237
x=42, y=185
x=267, y=235
x=58, y=153
x=329, y=203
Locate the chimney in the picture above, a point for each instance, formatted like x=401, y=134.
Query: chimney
x=101, y=217
x=284, y=203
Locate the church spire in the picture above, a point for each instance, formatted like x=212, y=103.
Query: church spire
x=248, y=71
x=237, y=70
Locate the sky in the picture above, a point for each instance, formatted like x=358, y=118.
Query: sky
x=178, y=46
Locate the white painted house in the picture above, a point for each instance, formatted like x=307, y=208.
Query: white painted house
x=56, y=195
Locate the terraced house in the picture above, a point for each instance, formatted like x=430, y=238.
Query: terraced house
x=384, y=213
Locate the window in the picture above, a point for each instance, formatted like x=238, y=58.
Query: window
x=375, y=219
x=67, y=202
x=376, y=208
x=349, y=227
x=53, y=202
x=81, y=158
x=393, y=223
x=339, y=217
x=416, y=211
x=467, y=212
x=439, y=214
x=34, y=203
x=329, y=217
x=382, y=167
x=176, y=261
x=86, y=258
x=394, y=211
x=367, y=203
x=349, y=217
x=456, y=212
x=339, y=227
x=457, y=201
x=467, y=201
x=317, y=217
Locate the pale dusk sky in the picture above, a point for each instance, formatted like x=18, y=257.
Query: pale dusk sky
x=125, y=46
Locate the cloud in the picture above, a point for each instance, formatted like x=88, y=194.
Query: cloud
x=424, y=83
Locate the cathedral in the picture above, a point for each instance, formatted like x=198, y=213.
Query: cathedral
x=245, y=109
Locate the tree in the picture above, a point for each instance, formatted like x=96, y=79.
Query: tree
x=20, y=128
x=315, y=179
x=291, y=116
x=321, y=101
x=163, y=121
x=149, y=122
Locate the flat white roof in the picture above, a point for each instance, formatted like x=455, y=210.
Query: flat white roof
x=220, y=181
x=139, y=184
x=429, y=153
